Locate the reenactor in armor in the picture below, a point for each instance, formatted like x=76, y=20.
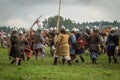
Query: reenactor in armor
x=15, y=54
x=8, y=43
x=86, y=36
x=51, y=36
x=62, y=47
x=72, y=42
x=38, y=43
x=23, y=43
x=94, y=44
x=80, y=46
x=112, y=45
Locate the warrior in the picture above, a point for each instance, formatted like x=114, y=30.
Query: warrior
x=51, y=36
x=94, y=44
x=28, y=51
x=80, y=46
x=2, y=39
x=8, y=43
x=23, y=43
x=112, y=45
x=15, y=54
x=62, y=47
x=86, y=36
x=72, y=43
x=38, y=43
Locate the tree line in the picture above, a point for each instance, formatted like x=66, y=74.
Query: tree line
x=9, y=29
x=68, y=23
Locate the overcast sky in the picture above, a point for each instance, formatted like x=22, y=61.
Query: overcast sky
x=24, y=12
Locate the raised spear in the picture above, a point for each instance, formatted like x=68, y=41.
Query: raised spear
x=36, y=21
x=58, y=21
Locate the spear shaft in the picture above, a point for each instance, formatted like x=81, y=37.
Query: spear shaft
x=35, y=22
x=58, y=21
x=32, y=26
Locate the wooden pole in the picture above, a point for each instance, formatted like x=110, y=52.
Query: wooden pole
x=58, y=21
x=32, y=26
x=35, y=22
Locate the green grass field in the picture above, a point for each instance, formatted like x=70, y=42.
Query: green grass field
x=43, y=69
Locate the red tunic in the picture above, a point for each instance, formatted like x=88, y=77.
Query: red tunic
x=28, y=51
x=81, y=41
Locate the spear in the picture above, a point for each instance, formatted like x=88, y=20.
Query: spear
x=36, y=21
x=58, y=21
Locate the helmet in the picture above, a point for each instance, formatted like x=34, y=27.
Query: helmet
x=74, y=29
x=95, y=28
x=112, y=28
x=62, y=27
x=8, y=35
x=116, y=27
x=77, y=30
x=55, y=28
x=51, y=28
x=87, y=27
x=67, y=30
x=91, y=30
x=20, y=32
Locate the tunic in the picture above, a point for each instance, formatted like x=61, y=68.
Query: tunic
x=94, y=42
x=15, y=49
x=62, y=45
x=38, y=40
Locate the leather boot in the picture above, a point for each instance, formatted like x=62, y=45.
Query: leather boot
x=76, y=61
x=115, y=60
x=63, y=61
x=12, y=62
x=19, y=63
x=55, y=61
x=93, y=61
x=69, y=62
x=82, y=59
x=109, y=60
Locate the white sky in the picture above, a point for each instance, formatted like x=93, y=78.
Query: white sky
x=22, y=13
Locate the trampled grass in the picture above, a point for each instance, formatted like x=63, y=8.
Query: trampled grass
x=43, y=69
